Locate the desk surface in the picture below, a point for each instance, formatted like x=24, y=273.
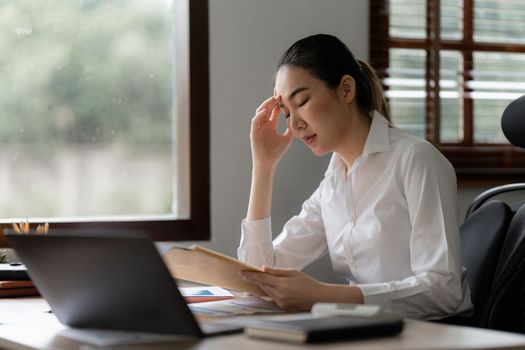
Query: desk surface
x=26, y=324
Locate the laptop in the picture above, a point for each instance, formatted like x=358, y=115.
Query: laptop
x=108, y=279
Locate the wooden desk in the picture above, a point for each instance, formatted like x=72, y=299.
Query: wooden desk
x=25, y=324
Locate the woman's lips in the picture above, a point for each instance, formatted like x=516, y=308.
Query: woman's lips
x=309, y=139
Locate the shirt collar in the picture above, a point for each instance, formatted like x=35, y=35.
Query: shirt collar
x=378, y=140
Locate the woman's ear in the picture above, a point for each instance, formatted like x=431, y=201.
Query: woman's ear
x=347, y=88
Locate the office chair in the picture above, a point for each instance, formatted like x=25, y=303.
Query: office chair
x=505, y=305
x=507, y=297
x=482, y=236
x=487, y=253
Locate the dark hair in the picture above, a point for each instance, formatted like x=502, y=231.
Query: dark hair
x=329, y=59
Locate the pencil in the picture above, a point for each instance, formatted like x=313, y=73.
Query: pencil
x=15, y=227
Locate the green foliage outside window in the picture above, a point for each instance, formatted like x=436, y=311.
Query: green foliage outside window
x=85, y=72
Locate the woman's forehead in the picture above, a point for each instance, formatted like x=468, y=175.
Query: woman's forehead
x=291, y=78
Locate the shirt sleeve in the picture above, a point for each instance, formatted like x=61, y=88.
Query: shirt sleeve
x=435, y=288
x=301, y=242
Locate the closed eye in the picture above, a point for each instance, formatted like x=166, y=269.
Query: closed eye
x=302, y=103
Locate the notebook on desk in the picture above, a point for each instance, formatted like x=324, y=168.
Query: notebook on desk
x=108, y=280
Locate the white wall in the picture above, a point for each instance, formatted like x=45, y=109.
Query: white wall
x=247, y=37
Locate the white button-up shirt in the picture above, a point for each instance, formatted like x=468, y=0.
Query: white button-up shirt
x=390, y=226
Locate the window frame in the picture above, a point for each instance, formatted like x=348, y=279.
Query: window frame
x=192, y=32
x=475, y=163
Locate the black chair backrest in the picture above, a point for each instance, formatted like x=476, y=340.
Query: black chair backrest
x=507, y=298
x=482, y=237
x=513, y=122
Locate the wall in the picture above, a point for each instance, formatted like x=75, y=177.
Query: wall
x=246, y=40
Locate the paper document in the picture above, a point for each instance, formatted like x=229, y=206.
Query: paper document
x=233, y=307
x=201, y=265
x=204, y=294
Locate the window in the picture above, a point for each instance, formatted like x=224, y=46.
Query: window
x=95, y=105
x=450, y=67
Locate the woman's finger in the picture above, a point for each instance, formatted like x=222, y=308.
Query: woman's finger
x=258, y=278
x=279, y=272
x=274, y=117
x=265, y=104
x=260, y=117
x=269, y=290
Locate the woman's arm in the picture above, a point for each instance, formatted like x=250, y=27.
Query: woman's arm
x=302, y=239
x=268, y=146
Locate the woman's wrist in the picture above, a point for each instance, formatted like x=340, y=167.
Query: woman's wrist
x=260, y=203
x=263, y=170
x=339, y=293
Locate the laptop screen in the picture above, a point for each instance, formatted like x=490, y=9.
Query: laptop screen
x=106, y=280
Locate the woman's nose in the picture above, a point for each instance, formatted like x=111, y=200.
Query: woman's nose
x=296, y=122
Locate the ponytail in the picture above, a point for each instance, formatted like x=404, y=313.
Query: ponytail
x=377, y=100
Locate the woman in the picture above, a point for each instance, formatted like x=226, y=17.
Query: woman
x=386, y=210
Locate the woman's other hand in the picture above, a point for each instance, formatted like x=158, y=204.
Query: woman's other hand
x=290, y=289
x=268, y=145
